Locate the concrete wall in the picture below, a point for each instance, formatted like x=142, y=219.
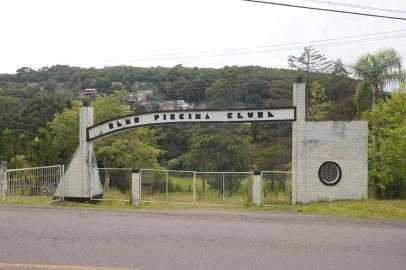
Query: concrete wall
x=345, y=143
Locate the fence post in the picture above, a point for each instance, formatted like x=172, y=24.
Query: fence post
x=3, y=181
x=135, y=187
x=222, y=186
x=166, y=186
x=64, y=182
x=194, y=188
x=257, y=188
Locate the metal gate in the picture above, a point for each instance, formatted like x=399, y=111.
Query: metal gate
x=198, y=188
x=33, y=185
x=224, y=188
x=116, y=184
x=276, y=187
x=168, y=186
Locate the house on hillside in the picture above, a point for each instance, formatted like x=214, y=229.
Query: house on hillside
x=33, y=84
x=89, y=93
x=182, y=105
x=143, y=95
x=132, y=97
x=167, y=105
x=197, y=106
x=59, y=87
x=139, y=96
x=139, y=84
x=116, y=84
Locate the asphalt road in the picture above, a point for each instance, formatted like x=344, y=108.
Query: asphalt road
x=63, y=238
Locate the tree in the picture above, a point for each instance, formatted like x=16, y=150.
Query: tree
x=9, y=105
x=362, y=97
x=50, y=86
x=65, y=129
x=218, y=148
x=8, y=143
x=111, y=106
x=25, y=70
x=310, y=60
x=339, y=69
x=318, y=102
x=376, y=71
x=132, y=149
x=41, y=109
x=26, y=108
x=19, y=161
x=387, y=148
x=42, y=151
x=226, y=92
x=254, y=92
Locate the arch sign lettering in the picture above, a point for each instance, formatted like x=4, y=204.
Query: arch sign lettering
x=197, y=116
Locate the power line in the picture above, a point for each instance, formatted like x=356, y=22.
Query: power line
x=354, y=6
x=265, y=48
x=328, y=10
x=285, y=48
x=153, y=56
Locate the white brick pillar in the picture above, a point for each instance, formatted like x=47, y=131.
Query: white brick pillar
x=257, y=188
x=135, y=187
x=298, y=139
x=82, y=180
x=3, y=181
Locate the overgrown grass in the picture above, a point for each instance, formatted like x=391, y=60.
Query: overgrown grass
x=273, y=194
x=379, y=209
x=180, y=190
x=29, y=200
x=116, y=194
x=368, y=208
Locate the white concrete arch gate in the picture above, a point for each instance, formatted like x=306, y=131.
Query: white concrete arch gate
x=329, y=159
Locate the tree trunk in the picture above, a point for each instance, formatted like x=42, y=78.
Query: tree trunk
x=373, y=100
x=375, y=141
x=375, y=96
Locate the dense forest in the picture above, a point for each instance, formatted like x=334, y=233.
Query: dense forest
x=39, y=114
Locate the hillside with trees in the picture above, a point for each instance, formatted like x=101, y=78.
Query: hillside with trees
x=39, y=113
x=32, y=97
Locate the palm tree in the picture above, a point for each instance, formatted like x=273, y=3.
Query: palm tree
x=376, y=71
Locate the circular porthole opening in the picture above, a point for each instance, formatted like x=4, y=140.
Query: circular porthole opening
x=330, y=173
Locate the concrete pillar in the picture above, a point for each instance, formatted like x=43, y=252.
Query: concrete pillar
x=257, y=188
x=135, y=187
x=298, y=138
x=3, y=181
x=82, y=180
x=89, y=174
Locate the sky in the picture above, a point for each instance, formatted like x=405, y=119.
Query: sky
x=205, y=33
